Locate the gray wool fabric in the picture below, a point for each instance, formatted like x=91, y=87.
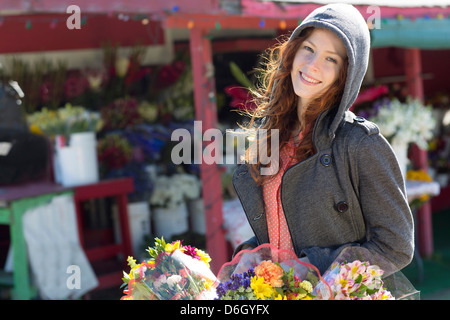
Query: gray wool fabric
x=351, y=192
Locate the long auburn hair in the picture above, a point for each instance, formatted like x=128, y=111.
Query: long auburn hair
x=277, y=103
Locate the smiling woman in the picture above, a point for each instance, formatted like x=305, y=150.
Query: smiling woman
x=338, y=184
x=316, y=66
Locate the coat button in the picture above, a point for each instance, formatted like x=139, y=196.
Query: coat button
x=325, y=160
x=342, y=206
x=359, y=119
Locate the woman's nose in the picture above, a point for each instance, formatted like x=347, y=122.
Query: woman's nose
x=313, y=63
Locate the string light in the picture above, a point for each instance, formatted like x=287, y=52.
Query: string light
x=190, y=24
x=262, y=23
x=282, y=24
x=145, y=21
x=53, y=23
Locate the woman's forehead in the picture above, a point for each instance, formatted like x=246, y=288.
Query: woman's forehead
x=326, y=40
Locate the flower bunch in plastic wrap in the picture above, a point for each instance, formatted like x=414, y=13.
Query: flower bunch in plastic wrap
x=173, y=272
x=363, y=279
x=266, y=273
x=357, y=281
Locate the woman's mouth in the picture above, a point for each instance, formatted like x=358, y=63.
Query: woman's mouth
x=308, y=80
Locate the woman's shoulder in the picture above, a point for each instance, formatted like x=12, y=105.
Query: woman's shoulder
x=357, y=127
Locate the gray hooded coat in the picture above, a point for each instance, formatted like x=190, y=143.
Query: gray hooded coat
x=351, y=192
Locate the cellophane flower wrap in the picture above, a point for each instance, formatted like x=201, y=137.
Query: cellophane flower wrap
x=354, y=275
x=173, y=272
x=267, y=273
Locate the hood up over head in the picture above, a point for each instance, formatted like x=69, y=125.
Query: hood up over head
x=349, y=25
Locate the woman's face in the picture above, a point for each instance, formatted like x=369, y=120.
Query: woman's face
x=317, y=64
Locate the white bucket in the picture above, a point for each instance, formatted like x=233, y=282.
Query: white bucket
x=78, y=162
x=139, y=222
x=170, y=221
x=197, y=216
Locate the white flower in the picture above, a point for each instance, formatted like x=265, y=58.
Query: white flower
x=160, y=281
x=409, y=122
x=173, y=280
x=171, y=191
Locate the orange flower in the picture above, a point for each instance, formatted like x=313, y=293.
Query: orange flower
x=271, y=272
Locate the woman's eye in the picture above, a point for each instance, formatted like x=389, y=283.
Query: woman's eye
x=332, y=60
x=308, y=48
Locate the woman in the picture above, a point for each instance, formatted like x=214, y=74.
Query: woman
x=338, y=183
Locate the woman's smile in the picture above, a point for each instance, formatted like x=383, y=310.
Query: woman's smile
x=308, y=79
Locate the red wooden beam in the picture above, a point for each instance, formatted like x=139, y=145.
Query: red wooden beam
x=212, y=21
x=206, y=112
x=419, y=157
x=48, y=32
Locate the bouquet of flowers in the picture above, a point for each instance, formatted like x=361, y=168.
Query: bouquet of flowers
x=172, y=190
x=356, y=281
x=266, y=273
x=409, y=122
x=362, y=280
x=173, y=272
x=64, y=121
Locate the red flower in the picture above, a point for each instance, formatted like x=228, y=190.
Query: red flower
x=241, y=98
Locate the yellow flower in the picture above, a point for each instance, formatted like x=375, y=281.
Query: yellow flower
x=306, y=285
x=261, y=289
x=204, y=256
x=420, y=175
x=307, y=298
x=170, y=247
x=279, y=297
x=131, y=262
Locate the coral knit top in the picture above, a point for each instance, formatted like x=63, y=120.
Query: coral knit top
x=279, y=235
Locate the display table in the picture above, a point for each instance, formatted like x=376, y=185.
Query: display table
x=16, y=200
x=414, y=190
x=119, y=189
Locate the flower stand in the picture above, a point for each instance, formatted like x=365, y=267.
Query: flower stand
x=170, y=221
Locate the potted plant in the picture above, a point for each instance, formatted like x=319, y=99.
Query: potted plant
x=169, y=204
x=72, y=130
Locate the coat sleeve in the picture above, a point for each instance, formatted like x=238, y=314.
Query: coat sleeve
x=389, y=241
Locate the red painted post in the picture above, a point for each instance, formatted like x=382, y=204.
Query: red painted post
x=206, y=112
x=413, y=69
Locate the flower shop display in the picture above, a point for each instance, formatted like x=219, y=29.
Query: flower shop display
x=173, y=271
x=267, y=273
x=73, y=132
x=405, y=123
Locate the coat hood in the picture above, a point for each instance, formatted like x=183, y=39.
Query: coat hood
x=349, y=25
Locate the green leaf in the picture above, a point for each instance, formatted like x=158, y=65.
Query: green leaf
x=359, y=279
x=240, y=76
